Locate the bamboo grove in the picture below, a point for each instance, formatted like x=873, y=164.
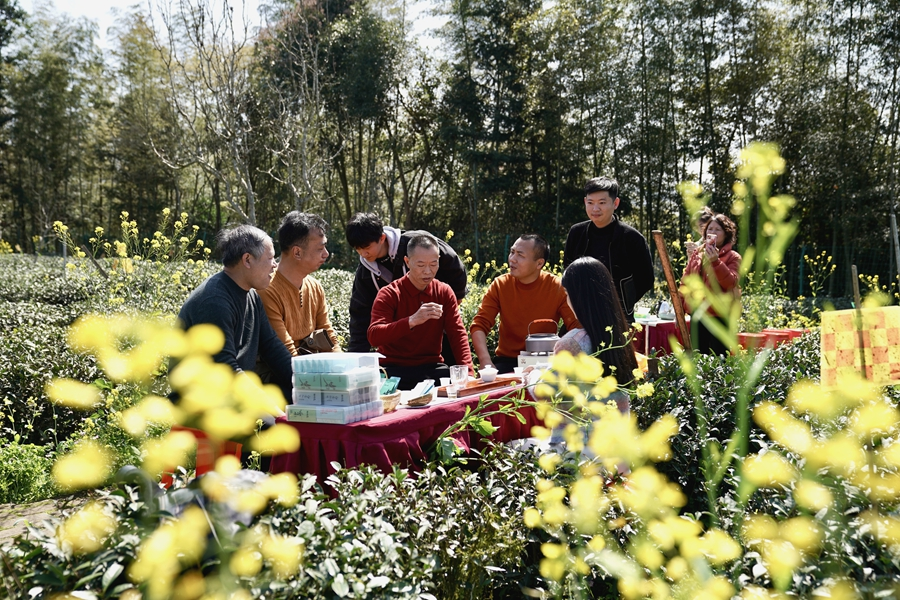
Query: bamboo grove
x=488, y=125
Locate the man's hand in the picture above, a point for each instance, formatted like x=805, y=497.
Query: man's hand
x=426, y=312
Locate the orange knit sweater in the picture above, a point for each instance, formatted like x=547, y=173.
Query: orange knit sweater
x=518, y=305
x=293, y=313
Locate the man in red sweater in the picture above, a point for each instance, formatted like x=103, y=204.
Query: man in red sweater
x=410, y=316
x=521, y=296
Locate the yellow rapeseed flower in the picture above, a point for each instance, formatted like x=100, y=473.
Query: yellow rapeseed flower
x=167, y=452
x=645, y=390
x=190, y=585
x=616, y=438
x=532, y=518
x=172, y=546
x=804, y=533
x=874, y=420
x=278, y=439
x=549, y=462
x=782, y=427
x=672, y=530
x=225, y=423
x=86, y=530
x=654, y=442
x=152, y=409
x=283, y=553
x=73, y=394
x=717, y=546
x=758, y=527
x=842, y=454
x=589, y=504
x=649, y=493
x=768, y=470
x=88, y=466
x=553, y=566
x=813, y=496
x=246, y=562
x=781, y=559
x=648, y=554
x=808, y=397
x=205, y=339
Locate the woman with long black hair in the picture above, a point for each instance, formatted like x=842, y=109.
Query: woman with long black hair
x=593, y=298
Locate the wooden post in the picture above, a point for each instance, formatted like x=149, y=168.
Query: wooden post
x=859, y=321
x=896, y=244
x=94, y=260
x=660, y=242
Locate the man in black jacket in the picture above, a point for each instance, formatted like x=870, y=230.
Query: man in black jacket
x=622, y=249
x=381, y=250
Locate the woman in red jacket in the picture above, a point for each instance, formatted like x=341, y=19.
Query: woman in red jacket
x=715, y=260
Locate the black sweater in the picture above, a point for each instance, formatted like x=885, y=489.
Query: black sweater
x=629, y=260
x=241, y=317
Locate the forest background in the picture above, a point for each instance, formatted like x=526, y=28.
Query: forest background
x=335, y=106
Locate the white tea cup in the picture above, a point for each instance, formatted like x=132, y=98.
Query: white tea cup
x=488, y=374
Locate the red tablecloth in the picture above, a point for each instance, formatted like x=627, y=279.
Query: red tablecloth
x=398, y=438
x=656, y=337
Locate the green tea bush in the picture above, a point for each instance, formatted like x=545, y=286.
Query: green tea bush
x=33, y=351
x=24, y=473
x=42, y=279
x=720, y=380
x=446, y=534
x=337, y=284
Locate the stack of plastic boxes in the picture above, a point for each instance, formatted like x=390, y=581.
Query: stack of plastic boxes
x=336, y=388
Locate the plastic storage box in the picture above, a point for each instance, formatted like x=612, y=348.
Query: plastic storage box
x=339, y=415
x=334, y=362
x=353, y=397
x=350, y=380
x=307, y=396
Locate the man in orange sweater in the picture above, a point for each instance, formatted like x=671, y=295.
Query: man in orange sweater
x=295, y=301
x=524, y=294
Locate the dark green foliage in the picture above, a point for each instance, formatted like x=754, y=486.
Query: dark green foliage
x=338, y=284
x=444, y=534
x=454, y=533
x=41, y=279
x=720, y=380
x=36, y=563
x=33, y=351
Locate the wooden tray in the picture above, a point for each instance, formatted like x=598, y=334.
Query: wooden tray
x=476, y=386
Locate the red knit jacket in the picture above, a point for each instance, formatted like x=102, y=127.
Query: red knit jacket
x=725, y=268
x=389, y=330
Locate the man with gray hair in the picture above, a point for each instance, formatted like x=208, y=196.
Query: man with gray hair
x=230, y=301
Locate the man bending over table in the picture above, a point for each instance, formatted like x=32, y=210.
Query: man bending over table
x=411, y=315
x=382, y=250
x=521, y=296
x=295, y=301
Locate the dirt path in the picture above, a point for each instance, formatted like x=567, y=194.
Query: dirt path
x=15, y=518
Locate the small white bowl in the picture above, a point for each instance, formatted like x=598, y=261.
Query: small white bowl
x=488, y=374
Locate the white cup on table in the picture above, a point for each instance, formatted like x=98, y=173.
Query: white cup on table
x=488, y=374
